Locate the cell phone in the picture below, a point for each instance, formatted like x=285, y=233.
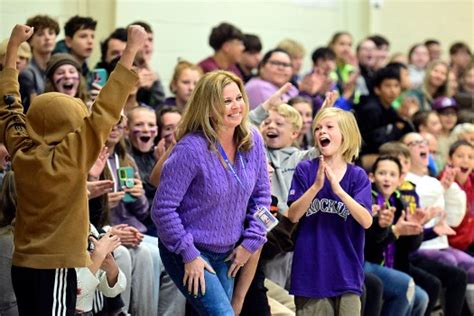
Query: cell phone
x=126, y=176
x=98, y=76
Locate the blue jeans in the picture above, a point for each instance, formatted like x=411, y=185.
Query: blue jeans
x=398, y=289
x=219, y=287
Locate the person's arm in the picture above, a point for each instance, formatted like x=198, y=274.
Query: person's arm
x=90, y=138
x=260, y=113
x=178, y=172
x=112, y=281
x=156, y=172
x=299, y=205
x=13, y=131
x=246, y=276
x=360, y=213
x=455, y=204
x=254, y=234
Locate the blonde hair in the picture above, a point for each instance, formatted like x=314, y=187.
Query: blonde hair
x=181, y=66
x=441, y=91
x=206, y=107
x=294, y=48
x=291, y=114
x=462, y=129
x=131, y=113
x=351, y=138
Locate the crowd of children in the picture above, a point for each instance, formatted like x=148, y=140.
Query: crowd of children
x=370, y=158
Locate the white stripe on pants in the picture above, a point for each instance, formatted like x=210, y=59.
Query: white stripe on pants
x=59, y=292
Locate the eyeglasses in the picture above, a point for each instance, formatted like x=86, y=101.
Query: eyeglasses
x=279, y=63
x=418, y=142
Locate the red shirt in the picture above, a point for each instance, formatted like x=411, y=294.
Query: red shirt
x=465, y=231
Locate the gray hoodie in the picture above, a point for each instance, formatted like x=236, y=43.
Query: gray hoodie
x=283, y=160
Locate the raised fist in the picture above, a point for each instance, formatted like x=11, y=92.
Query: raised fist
x=20, y=34
x=136, y=37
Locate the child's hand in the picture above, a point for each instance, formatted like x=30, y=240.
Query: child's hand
x=406, y=228
x=106, y=244
x=137, y=190
x=319, y=182
x=99, y=164
x=136, y=37
x=442, y=228
x=311, y=83
x=335, y=186
x=98, y=188
x=146, y=78
x=20, y=33
x=375, y=209
x=111, y=269
x=386, y=216
x=331, y=97
x=448, y=177
x=95, y=90
x=114, y=198
x=277, y=98
x=129, y=236
x=420, y=216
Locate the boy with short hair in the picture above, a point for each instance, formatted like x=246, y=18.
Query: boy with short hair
x=79, y=34
x=251, y=56
x=56, y=142
x=32, y=79
x=280, y=125
x=377, y=120
x=227, y=42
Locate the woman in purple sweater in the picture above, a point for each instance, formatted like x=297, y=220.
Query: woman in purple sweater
x=211, y=185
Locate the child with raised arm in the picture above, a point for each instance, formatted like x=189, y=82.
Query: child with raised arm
x=53, y=147
x=331, y=199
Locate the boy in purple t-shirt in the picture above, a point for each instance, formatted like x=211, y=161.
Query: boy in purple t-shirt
x=331, y=199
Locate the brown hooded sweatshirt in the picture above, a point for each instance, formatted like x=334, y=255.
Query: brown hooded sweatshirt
x=52, y=149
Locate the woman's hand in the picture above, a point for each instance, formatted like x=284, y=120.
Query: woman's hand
x=239, y=258
x=194, y=275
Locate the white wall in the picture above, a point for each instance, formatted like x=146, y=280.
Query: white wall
x=182, y=27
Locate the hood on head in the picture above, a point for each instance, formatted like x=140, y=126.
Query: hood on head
x=53, y=115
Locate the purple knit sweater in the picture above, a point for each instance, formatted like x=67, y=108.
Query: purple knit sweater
x=200, y=204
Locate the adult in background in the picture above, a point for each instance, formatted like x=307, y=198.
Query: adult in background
x=212, y=183
x=297, y=52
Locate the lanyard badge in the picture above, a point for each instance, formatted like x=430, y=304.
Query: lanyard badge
x=262, y=214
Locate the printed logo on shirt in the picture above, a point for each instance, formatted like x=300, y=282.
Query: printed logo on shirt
x=292, y=192
x=328, y=206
